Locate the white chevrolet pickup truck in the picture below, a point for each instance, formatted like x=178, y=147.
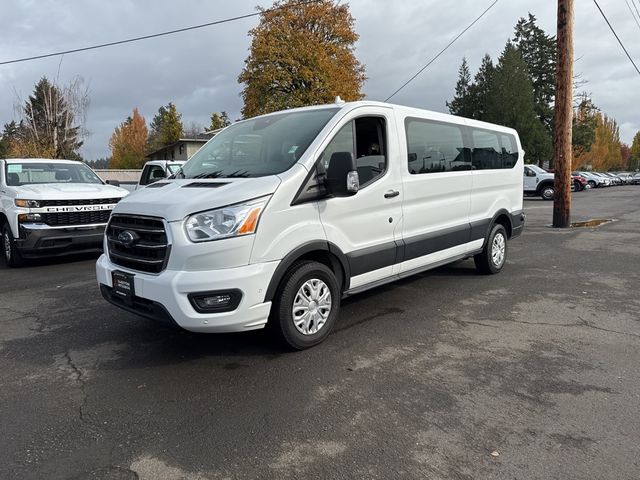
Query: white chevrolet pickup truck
x=52, y=207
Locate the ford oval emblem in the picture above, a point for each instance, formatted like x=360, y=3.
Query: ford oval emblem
x=127, y=238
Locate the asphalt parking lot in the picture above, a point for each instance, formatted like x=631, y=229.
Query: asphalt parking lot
x=529, y=374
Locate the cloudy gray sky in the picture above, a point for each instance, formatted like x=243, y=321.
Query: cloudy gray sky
x=197, y=70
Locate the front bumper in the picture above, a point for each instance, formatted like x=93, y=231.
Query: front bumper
x=43, y=240
x=164, y=297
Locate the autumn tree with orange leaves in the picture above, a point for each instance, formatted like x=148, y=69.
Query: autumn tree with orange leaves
x=128, y=142
x=301, y=54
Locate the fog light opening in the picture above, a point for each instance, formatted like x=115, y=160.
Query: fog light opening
x=215, y=302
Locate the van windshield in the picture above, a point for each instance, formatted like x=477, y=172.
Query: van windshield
x=258, y=147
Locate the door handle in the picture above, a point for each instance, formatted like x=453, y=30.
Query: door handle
x=391, y=194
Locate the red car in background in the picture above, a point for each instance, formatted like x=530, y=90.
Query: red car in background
x=579, y=182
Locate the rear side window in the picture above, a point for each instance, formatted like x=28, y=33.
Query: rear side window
x=435, y=147
x=492, y=150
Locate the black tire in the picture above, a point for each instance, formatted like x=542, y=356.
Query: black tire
x=547, y=191
x=282, y=317
x=484, y=261
x=577, y=186
x=11, y=254
x=592, y=183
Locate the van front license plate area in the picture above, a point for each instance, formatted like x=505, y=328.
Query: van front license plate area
x=123, y=286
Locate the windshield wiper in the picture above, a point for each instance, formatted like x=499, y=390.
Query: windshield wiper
x=238, y=174
x=215, y=174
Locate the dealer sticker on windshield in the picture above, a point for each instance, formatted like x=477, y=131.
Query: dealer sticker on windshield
x=14, y=168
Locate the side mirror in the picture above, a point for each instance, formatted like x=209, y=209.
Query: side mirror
x=342, y=175
x=115, y=183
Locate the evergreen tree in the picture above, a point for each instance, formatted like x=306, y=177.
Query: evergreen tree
x=219, y=120
x=461, y=102
x=301, y=55
x=52, y=120
x=510, y=102
x=10, y=133
x=99, y=163
x=479, y=90
x=165, y=128
x=538, y=50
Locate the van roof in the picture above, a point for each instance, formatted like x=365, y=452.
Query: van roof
x=403, y=109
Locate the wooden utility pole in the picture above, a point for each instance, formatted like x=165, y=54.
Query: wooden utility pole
x=563, y=116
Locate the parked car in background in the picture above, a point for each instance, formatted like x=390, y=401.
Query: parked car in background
x=152, y=171
x=635, y=179
x=625, y=177
x=579, y=182
x=52, y=207
x=606, y=181
x=615, y=180
x=593, y=180
x=538, y=181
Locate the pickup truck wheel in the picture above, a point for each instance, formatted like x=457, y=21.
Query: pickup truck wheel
x=546, y=192
x=11, y=254
x=494, y=255
x=307, y=305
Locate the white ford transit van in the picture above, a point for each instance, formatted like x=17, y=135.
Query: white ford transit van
x=278, y=217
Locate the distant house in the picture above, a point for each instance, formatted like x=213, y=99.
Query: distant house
x=183, y=149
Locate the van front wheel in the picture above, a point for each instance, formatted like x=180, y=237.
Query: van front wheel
x=307, y=305
x=494, y=255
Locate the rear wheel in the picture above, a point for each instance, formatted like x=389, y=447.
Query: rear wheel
x=11, y=254
x=307, y=305
x=577, y=186
x=494, y=255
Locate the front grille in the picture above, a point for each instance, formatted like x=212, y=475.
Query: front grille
x=150, y=250
x=70, y=203
x=75, y=218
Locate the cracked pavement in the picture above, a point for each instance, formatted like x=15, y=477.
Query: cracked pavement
x=529, y=374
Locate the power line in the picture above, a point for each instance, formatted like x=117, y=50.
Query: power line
x=617, y=38
x=442, y=51
x=154, y=35
x=632, y=12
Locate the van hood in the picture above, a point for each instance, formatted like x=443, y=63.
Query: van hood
x=68, y=191
x=176, y=199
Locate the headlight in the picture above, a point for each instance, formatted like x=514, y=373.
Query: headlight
x=225, y=222
x=27, y=203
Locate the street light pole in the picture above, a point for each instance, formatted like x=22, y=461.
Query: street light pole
x=563, y=116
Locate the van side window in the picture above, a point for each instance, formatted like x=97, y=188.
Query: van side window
x=493, y=151
x=509, y=151
x=365, y=139
x=435, y=147
x=486, y=150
